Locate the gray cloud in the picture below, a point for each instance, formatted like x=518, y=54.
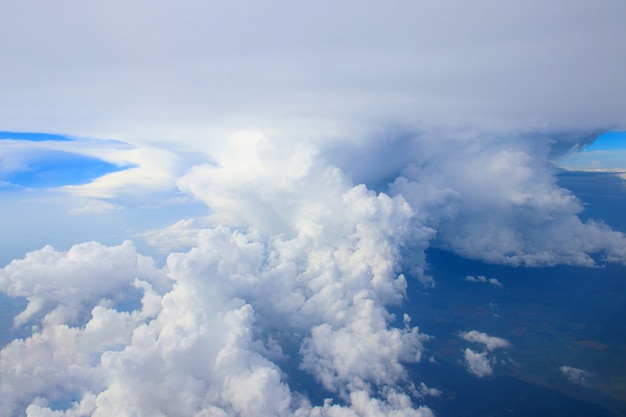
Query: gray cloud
x=151, y=70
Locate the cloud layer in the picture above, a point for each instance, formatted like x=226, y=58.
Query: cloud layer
x=289, y=279
x=332, y=145
x=163, y=72
x=239, y=306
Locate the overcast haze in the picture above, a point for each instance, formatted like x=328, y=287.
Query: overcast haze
x=163, y=70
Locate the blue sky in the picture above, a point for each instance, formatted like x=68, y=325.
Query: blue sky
x=607, y=153
x=609, y=141
x=30, y=136
x=44, y=165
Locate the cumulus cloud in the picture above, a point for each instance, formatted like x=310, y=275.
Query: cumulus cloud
x=313, y=290
x=490, y=342
x=291, y=273
x=481, y=364
x=483, y=279
x=576, y=375
x=497, y=200
x=85, y=275
x=477, y=363
x=318, y=215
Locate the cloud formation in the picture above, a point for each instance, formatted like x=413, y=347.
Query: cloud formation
x=480, y=364
x=477, y=363
x=163, y=72
x=290, y=277
x=483, y=279
x=490, y=342
x=240, y=305
x=331, y=149
x=576, y=375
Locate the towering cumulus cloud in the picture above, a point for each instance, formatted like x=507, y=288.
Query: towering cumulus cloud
x=246, y=314
x=287, y=288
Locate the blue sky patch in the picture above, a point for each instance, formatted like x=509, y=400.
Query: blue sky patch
x=609, y=141
x=51, y=168
x=32, y=137
x=607, y=153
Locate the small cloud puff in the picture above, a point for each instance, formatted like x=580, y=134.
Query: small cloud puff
x=480, y=364
x=477, y=363
x=490, y=342
x=576, y=375
x=481, y=278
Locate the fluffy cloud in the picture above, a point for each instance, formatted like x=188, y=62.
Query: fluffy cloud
x=164, y=72
x=316, y=217
x=477, y=363
x=291, y=274
x=490, y=342
x=497, y=200
x=483, y=279
x=576, y=375
x=312, y=290
x=480, y=364
x=87, y=274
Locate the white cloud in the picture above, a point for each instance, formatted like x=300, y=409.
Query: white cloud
x=295, y=265
x=483, y=279
x=497, y=200
x=297, y=261
x=576, y=375
x=83, y=276
x=481, y=364
x=477, y=363
x=490, y=342
x=323, y=284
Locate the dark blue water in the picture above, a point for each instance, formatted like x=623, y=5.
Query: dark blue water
x=602, y=194
x=552, y=316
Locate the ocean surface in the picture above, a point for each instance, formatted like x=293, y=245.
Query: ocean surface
x=553, y=317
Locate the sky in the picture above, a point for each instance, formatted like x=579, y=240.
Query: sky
x=606, y=154
x=212, y=209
